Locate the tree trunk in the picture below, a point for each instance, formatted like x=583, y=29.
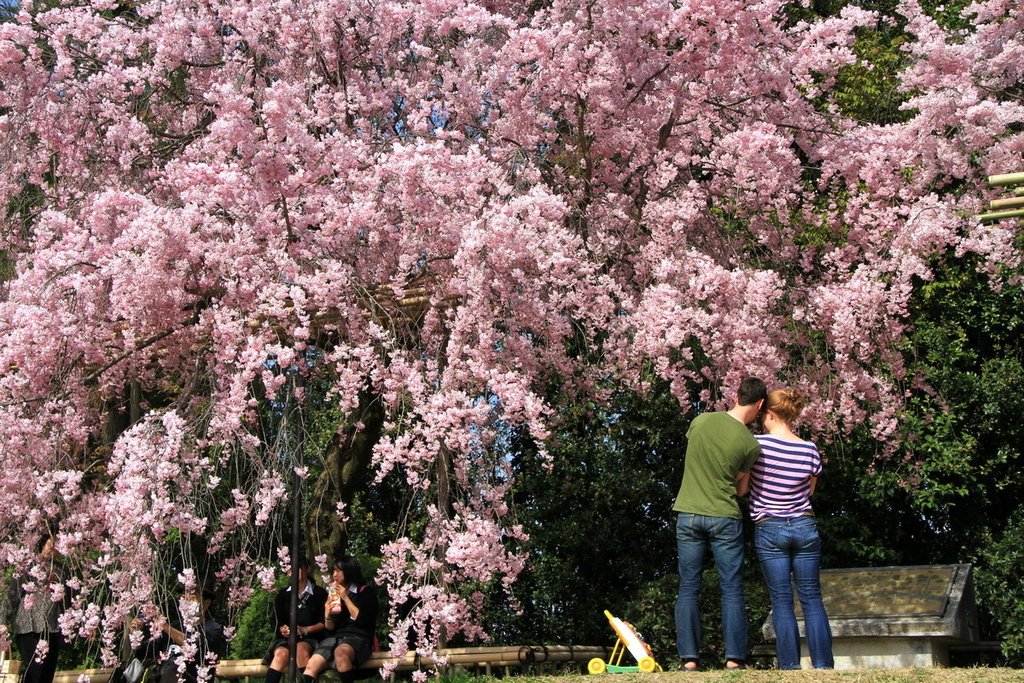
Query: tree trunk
x=346, y=462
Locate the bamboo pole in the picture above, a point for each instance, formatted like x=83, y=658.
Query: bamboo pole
x=1019, y=192
x=94, y=675
x=1006, y=179
x=560, y=653
x=999, y=215
x=1012, y=203
x=478, y=656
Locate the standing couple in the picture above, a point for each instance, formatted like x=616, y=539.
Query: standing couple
x=724, y=460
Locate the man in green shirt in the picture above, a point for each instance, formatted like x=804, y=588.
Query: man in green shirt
x=720, y=451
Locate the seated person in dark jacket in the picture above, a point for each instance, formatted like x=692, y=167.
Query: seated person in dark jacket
x=310, y=624
x=351, y=619
x=174, y=641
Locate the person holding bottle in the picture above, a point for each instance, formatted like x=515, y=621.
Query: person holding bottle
x=351, y=619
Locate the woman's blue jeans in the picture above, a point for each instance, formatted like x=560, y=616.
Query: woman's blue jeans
x=724, y=535
x=790, y=553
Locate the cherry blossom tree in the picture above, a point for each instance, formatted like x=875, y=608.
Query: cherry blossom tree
x=432, y=211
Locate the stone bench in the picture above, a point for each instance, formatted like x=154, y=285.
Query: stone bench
x=894, y=617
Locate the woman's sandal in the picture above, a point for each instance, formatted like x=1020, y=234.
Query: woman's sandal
x=733, y=664
x=688, y=665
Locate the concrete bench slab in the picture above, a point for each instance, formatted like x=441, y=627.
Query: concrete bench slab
x=892, y=617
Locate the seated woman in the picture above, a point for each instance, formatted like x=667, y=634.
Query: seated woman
x=351, y=619
x=310, y=624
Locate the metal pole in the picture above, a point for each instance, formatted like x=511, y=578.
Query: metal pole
x=296, y=547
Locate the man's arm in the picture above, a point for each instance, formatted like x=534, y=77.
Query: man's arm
x=177, y=637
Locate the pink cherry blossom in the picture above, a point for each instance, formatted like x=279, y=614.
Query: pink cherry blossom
x=446, y=206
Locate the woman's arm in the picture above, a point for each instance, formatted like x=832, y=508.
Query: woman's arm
x=349, y=604
x=312, y=629
x=742, y=483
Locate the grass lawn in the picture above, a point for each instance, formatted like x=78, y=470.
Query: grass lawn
x=974, y=675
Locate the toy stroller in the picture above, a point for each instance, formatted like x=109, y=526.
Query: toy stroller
x=628, y=639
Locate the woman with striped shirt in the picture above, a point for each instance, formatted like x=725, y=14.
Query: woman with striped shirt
x=785, y=534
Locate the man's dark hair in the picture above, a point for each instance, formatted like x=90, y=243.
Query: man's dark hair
x=751, y=391
x=207, y=588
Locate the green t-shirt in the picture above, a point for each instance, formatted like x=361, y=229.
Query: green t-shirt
x=718, y=446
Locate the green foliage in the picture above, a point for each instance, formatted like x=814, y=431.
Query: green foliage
x=966, y=439
x=756, y=594
x=6, y=265
x=459, y=675
x=820, y=233
x=869, y=90
x=949, y=14
x=78, y=654
x=22, y=211
x=851, y=499
x=322, y=420
x=255, y=628
x=600, y=519
x=651, y=613
x=1000, y=589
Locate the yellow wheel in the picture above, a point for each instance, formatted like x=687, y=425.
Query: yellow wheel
x=647, y=665
x=597, y=666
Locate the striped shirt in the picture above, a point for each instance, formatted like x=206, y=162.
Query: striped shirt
x=780, y=480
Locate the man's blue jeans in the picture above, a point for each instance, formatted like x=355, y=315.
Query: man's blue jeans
x=790, y=550
x=724, y=535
